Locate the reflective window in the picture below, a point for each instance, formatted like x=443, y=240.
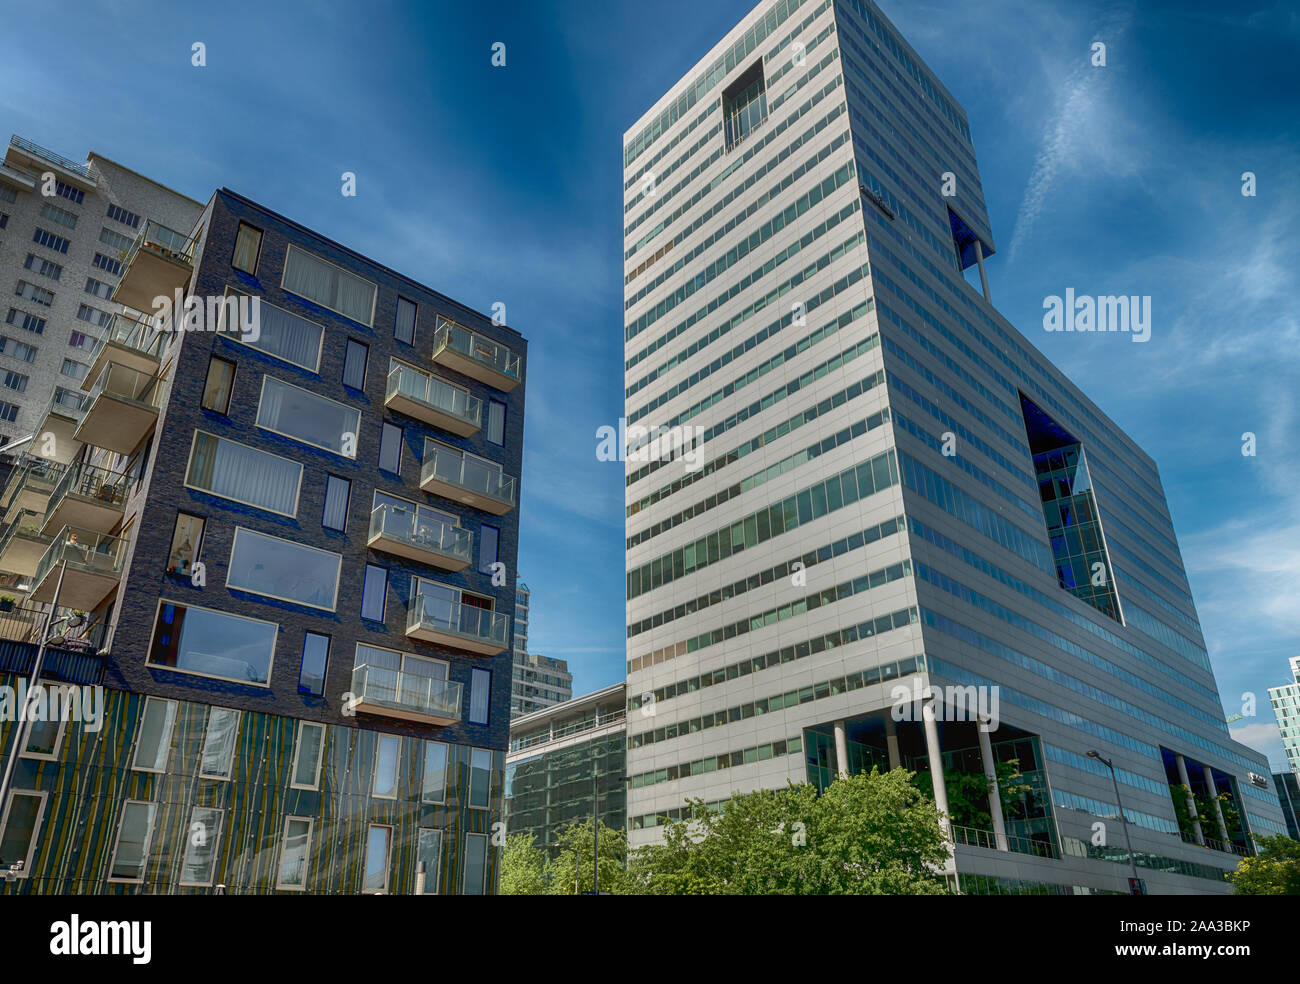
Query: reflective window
x=480, y=777
x=308, y=417
x=154, y=738
x=480, y=690
x=218, y=386
x=307, y=755
x=354, y=364
x=315, y=657
x=281, y=569
x=219, y=743
x=434, y=786
x=133, y=837
x=209, y=643
x=374, y=593
x=337, y=494
x=19, y=825
x=203, y=837
x=386, y=762
x=187, y=541
x=294, y=848
x=248, y=243
x=429, y=851
x=329, y=286
x=390, y=449
x=475, y=864
x=404, y=329
x=379, y=840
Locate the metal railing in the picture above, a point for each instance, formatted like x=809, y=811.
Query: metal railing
x=124, y=383
x=90, y=481
x=77, y=167
x=440, y=615
x=573, y=728
x=157, y=238
x=975, y=837
x=28, y=522
x=470, y=475
x=434, y=393
x=404, y=691
x=474, y=346
x=40, y=473
x=83, y=550
x=1211, y=843
x=140, y=334
x=424, y=532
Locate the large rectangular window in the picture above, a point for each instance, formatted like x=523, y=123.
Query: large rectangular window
x=315, y=658
x=329, y=286
x=308, y=417
x=476, y=846
x=219, y=743
x=429, y=852
x=387, y=758
x=154, y=738
x=390, y=449
x=215, y=644
x=404, y=329
x=338, y=492
x=433, y=789
x=480, y=691
x=379, y=842
x=307, y=756
x=20, y=822
x=374, y=593
x=131, y=852
x=279, y=333
x=202, y=838
x=295, y=849
x=284, y=570
x=242, y=474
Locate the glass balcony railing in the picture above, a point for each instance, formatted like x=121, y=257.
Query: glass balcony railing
x=478, y=625
x=28, y=523
x=124, y=383
x=975, y=837
x=139, y=334
x=404, y=691
x=65, y=403
x=468, y=474
x=34, y=474
x=85, y=551
x=157, y=238
x=91, y=482
x=473, y=346
x=435, y=394
x=410, y=527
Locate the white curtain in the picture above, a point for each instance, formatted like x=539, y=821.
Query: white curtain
x=219, y=745
x=236, y=471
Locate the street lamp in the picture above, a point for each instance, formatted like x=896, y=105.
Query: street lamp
x=1132, y=864
x=595, y=828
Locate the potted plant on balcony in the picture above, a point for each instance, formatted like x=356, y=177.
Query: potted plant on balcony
x=7, y=603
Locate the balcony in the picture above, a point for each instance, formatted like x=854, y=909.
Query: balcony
x=407, y=533
x=23, y=155
x=20, y=624
x=22, y=544
x=130, y=342
x=30, y=485
x=397, y=694
x=159, y=262
x=56, y=432
x=457, y=626
x=121, y=410
x=428, y=398
x=91, y=566
x=475, y=356
x=87, y=497
x=468, y=480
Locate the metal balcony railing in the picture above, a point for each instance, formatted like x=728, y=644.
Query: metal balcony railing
x=91, y=481
x=476, y=347
x=77, y=167
x=468, y=474
x=408, y=526
x=975, y=837
x=38, y=473
x=477, y=624
x=405, y=691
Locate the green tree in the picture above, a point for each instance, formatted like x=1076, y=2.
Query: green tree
x=569, y=871
x=1275, y=870
x=968, y=794
x=523, y=866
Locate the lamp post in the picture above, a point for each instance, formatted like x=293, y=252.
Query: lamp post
x=1132, y=864
x=595, y=826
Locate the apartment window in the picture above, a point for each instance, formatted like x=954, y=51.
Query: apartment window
x=315, y=420
x=50, y=241
x=8, y=194
x=308, y=755
x=218, y=386
x=15, y=381
x=199, y=866
x=131, y=851
x=8, y=411
x=475, y=864
x=187, y=541
x=496, y=428
x=242, y=474
x=315, y=658
x=37, y=295
x=404, y=328
x=354, y=365
x=4, y=220
x=379, y=842
x=390, y=449
x=374, y=593
x=93, y=315
x=338, y=493
x=429, y=851
x=329, y=286
x=387, y=756
x=214, y=644
x=19, y=825
x=98, y=288
x=283, y=335
x=75, y=369
x=154, y=737
x=489, y=540
x=70, y=193
x=248, y=245
x=44, y=738
x=294, y=849
x=119, y=214
x=219, y=743
x=82, y=341
x=106, y=263
x=60, y=215
x=115, y=240
x=25, y=321
x=46, y=268
x=433, y=788
x=17, y=350
x=284, y=570
x=480, y=690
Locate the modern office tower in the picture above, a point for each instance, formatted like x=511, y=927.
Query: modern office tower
x=1287, y=785
x=539, y=681
x=567, y=763
x=274, y=532
x=1286, y=708
x=895, y=491
x=65, y=227
x=523, y=598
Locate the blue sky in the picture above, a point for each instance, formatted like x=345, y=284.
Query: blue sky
x=504, y=184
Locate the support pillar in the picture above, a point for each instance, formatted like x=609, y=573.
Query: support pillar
x=1208, y=773
x=935, y=755
x=891, y=742
x=984, y=277
x=1191, y=800
x=841, y=751
x=995, y=794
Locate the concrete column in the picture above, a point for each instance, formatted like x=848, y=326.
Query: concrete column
x=1191, y=801
x=841, y=750
x=891, y=742
x=1208, y=773
x=936, y=764
x=984, y=277
x=995, y=794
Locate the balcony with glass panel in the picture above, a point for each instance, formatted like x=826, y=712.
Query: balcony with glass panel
x=159, y=262
x=475, y=356
x=406, y=694
x=22, y=544
x=23, y=155
x=122, y=408
x=29, y=486
x=87, y=497
x=132, y=342
x=55, y=434
x=457, y=625
x=465, y=478
x=433, y=401
x=416, y=536
x=91, y=565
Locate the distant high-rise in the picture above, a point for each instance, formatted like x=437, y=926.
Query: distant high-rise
x=1286, y=708
x=886, y=488
x=537, y=681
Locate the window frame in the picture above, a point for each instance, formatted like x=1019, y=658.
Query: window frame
x=257, y=422
x=234, y=746
x=415, y=320
x=230, y=563
x=198, y=547
x=230, y=391
x=257, y=253
x=434, y=876
x=213, y=839
x=401, y=441
x=383, y=617
x=43, y=796
x=397, y=767
x=303, y=723
x=388, y=858
x=238, y=336
x=270, y=666
x=469, y=784
x=424, y=771
x=144, y=847
x=349, y=345
x=374, y=297
x=65, y=699
x=469, y=835
x=252, y=505
x=347, y=503
x=166, y=743
x=487, y=423
x=496, y=558
x=280, y=884
x=324, y=673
